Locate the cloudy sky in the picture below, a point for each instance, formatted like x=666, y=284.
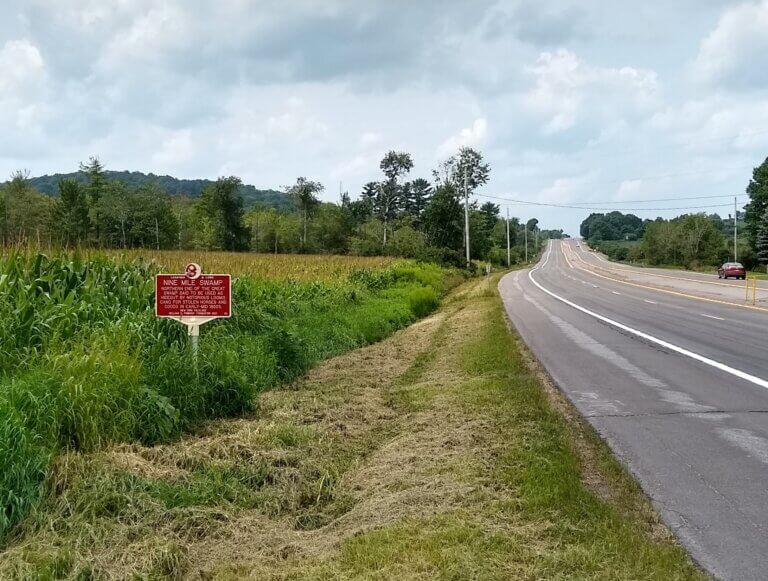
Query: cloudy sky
x=571, y=102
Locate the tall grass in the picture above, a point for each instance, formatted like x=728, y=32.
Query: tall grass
x=84, y=362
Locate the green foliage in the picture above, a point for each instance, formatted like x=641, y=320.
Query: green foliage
x=422, y=301
x=444, y=219
x=467, y=167
x=25, y=215
x=416, y=195
x=396, y=164
x=761, y=243
x=84, y=362
x=304, y=195
x=617, y=249
x=758, y=204
x=611, y=226
x=220, y=212
x=272, y=231
x=330, y=229
x=174, y=187
x=73, y=212
x=691, y=240
x=408, y=243
x=368, y=239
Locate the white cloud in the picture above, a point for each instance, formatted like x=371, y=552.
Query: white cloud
x=568, y=189
x=472, y=136
x=736, y=51
x=356, y=168
x=23, y=87
x=370, y=138
x=567, y=88
x=628, y=189
x=177, y=148
x=148, y=39
x=720, y=124
x=22, y=68
x=296, y=122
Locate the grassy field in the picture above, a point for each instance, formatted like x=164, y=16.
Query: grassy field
x=439, y=453
x=84, y=363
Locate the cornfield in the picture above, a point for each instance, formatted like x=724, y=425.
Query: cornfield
x=296, y=267
x=85, y=363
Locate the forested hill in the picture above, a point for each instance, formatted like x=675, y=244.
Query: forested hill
x=49, y=185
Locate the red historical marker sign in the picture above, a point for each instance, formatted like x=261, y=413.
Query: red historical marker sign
x=193, y=294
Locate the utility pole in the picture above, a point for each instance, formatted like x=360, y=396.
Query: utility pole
x=466, y=215
x=385, y=205
x=526, y=243
x=509, y=262
x=735, y=230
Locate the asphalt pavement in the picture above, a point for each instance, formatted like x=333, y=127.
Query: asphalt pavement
x=672, y=371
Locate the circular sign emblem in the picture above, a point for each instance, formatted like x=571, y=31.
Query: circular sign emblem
x=193, y=271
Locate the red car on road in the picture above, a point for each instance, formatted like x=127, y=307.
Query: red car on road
x=732, y=269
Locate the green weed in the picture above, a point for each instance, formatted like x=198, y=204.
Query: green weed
x=84, y=362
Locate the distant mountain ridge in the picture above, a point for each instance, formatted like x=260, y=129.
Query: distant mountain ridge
x=48, y=184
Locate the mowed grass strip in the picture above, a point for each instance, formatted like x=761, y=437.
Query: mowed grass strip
x=436, y=454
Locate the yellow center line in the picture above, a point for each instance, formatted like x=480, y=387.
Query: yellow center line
x=640, y=272
x=671, y=292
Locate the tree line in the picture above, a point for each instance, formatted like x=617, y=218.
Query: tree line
x=690, y=240
x=49, y=184
x=395, y=215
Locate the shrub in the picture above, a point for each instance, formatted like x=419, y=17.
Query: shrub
x=422, y=301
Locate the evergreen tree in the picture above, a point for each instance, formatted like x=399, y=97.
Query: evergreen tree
x=444, y=219
x=362, y=209
x=762, y=241
x=95, y=188
x=74, y=220
x=758, y=204
x=416, y=194
x=490, y=212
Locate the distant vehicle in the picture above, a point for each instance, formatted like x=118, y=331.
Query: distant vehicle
x=732, y=269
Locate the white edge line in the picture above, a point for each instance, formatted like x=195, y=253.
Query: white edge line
x=690, y=354
x=712, y=317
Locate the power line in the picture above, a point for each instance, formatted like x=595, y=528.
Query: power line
x=666, y=199
x=527, y=203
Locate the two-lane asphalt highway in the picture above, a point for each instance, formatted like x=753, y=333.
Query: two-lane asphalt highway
x=674, y=375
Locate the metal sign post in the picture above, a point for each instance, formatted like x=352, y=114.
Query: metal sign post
x=193, y=299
